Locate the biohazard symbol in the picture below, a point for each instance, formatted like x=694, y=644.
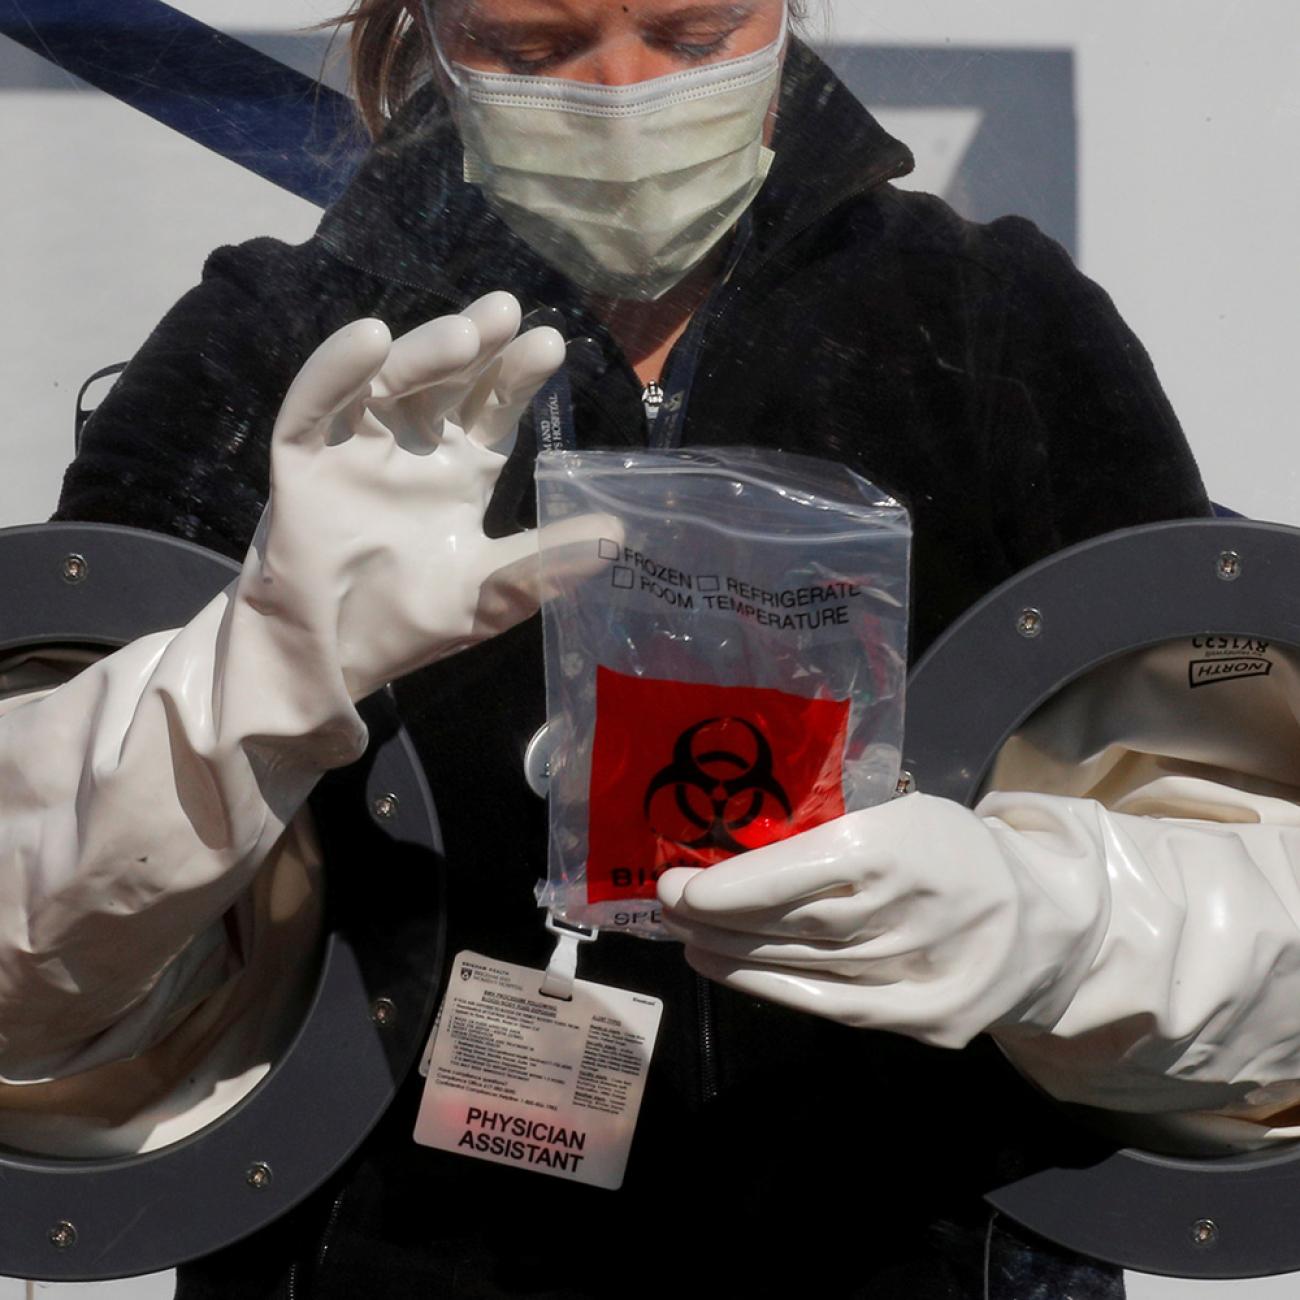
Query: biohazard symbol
x=718, y=786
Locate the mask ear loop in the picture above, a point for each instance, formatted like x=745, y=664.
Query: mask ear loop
x=783, y=35
x=472, y=169
x=447, y=66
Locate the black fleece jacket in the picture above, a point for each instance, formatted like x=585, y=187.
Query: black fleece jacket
x=968, y=369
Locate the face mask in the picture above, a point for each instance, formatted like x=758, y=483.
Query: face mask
x=623, y=188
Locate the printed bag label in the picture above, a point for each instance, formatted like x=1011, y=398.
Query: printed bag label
x=686, y=775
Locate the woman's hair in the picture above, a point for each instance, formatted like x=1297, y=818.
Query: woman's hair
x=389, y=52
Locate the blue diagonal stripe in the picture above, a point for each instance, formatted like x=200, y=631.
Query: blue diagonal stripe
x=219, y=92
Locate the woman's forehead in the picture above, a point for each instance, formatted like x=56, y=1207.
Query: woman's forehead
x=597, y=11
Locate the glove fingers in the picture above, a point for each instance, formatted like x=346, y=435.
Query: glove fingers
x=335, y=375
x=854, y=960
x=495, y=319
x=820, y=996
x=431, y=353
x=518, y=582
x=490, y=413
x=807, y=866
x=859, y=853
x=910, y=1007
x=570, y=550
x=832, y=919
x=496, y=316
x=425, y=374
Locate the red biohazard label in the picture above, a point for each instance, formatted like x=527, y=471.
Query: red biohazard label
x=684, y=775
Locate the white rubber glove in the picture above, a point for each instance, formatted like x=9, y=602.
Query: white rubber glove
x=138, y=800
x=383, y=460
x=1126, y=962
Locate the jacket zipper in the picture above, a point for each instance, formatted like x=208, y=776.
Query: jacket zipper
x=325, y=1236
x=708, y=1057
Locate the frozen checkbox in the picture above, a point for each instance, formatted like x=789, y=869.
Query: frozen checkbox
x=607, y=550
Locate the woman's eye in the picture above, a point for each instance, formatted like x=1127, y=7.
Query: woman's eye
x=528, y=60
x=520, y=56
x=700, y=49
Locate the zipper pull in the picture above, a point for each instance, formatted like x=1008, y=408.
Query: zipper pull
x=652, y=398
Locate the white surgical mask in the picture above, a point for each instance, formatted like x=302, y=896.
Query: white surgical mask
x=625, y=189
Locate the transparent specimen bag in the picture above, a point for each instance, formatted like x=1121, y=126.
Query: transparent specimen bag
x=732, y=675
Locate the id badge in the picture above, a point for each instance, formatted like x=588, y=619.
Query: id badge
x=540, y=1083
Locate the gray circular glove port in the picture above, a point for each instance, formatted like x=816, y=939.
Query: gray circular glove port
x=1229, y=1217
x=73, y=585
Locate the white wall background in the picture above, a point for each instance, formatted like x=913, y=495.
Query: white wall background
x=162, y=1286
x=1190, y=202
x=1190, y=195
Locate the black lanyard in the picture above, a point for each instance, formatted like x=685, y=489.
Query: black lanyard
x=553, y=414
x=684, y=359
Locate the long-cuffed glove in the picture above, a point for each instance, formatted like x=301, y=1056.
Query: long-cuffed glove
x=1124, y=961
x=137, y=801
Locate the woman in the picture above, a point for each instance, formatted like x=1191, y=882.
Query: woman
x=795, y=300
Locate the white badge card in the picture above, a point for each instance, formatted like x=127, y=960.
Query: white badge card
x=533, y=1081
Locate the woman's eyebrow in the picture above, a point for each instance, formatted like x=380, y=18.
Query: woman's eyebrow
x=505, y=30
